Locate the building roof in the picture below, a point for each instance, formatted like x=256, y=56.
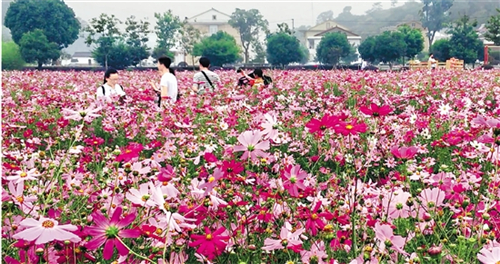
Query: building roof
x=82, y=54
x=191, y=19
x=315, y=27
x=338, y=28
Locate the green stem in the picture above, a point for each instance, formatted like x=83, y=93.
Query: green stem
x=133, y=252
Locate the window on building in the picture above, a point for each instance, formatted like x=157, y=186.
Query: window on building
x=213, y=29
x=412, y=24
x=311, y=44
x=214, y=17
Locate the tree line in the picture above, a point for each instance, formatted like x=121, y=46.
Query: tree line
x=40, y=39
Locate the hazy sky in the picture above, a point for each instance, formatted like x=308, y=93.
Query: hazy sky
x=303, y=12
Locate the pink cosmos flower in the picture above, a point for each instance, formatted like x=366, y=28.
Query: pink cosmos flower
x=211, y=244
x=46, y=230
x=387, y=238
x=287, y=239
x=86, y=114
x=212, y=181
x=350, y=128
x=106, y=231
x=270, y=127
x=317, y=253
x=404, y=152
x=431, y=199
x=250, y=144
x=23, y=176
x=141, y=196
x=293, y=179
x=489, y=256
x=376, y=110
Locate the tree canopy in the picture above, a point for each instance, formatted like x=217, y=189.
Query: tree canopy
x=464, y=42
x=53, y=17
x=283, y=48
x=332, y=47
x=493, y=27
x=168, y=29
x=35, y=47
x=250, y=24
x=434, y=15
x=220, y=48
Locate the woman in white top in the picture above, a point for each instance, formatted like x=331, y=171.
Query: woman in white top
x=111, y=88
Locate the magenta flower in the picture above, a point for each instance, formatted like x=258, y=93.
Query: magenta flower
x=350, y=128
x=376, y=110
x=404, y=152
x=250, y=144
x=107, y=231
x=211, y=244
x=46, y=230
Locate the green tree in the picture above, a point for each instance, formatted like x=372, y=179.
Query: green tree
x=260, y=53
x=283, y=27
x=103, y=32
x=35, y=47
x=413, y=39
x=168, y=28
x=136, y=33
x=464, y=42
x=118, y=55
x=220, y=48
x=249, y=25
x=441, y=49
x=283, y=48
x=493, y=27
x=53, y=17
x=332, y=47
x=11, y=56
x=434, y=15
x=189, y=37
x=391, y=46
x=367, y=49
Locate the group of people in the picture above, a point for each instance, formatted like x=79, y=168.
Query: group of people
x=204, y=81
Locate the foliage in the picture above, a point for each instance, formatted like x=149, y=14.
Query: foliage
x=220, y=48
x=324, y=16
x=493, y=27
x=284, y=28
x=305, y=54
x=35, y=47
x=167, y=29
x=103, y=32
x=464, y=42
x=119, y=55
x=250, y=24
x=11, y=56
x=413, y=39
x=53, y=17
x=332, y=47
x=441, y=49
x=260, y=52
x=434, y=15
x=367, y=49
x=283, y=49
x=136, y=33
x=390, y=46
x=189, y=37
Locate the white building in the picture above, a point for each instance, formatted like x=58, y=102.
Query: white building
x=83, y=59
x=314, y=35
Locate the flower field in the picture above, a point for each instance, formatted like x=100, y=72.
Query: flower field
x=322, y=167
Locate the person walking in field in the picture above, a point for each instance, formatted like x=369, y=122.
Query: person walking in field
x=205, y=80
x=167, y=90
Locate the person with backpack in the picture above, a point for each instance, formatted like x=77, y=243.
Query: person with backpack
x=205, y=80
x=110, y=88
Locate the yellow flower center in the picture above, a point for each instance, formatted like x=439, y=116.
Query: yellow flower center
x=20, y=199
x=208, y=237
x=211, y=179
x=314, y=216
x=48, y=224
x=349, y=127
x=23, y=174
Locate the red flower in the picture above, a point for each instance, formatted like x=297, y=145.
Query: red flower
x=107, y=231
x=209, y=157
x=341, y=239
x=211, y=244
x=94, y=141
x=314, y=219
x=375, y=110
x=353, y=128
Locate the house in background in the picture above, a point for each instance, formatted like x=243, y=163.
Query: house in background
x=210, y=22
x=314, y=34
x=83, y=58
